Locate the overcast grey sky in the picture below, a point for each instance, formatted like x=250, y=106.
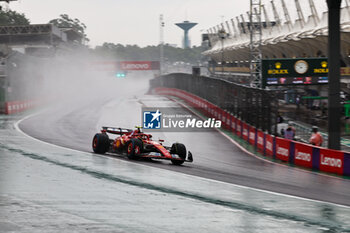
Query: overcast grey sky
x=137, y=21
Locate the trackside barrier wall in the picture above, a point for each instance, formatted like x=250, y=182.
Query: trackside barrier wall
x=18, y=106
x=255, y=107
x=292, y=152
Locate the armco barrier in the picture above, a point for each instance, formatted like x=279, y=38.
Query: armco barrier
x=18, y=106
x=300, y=154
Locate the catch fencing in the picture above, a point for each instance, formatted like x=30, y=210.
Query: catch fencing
x=255, y=106
x=288, y=151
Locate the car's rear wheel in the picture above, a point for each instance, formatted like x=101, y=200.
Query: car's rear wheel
x=134, y=148
x=180, y=150
x=100, y=143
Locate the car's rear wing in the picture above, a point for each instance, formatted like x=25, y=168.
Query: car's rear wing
x=115, y=130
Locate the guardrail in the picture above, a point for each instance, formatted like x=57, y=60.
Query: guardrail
x=292, y=152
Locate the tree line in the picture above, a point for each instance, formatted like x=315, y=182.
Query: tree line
x=134, y=52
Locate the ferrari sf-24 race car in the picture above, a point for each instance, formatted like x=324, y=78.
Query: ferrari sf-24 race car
x=136, y=144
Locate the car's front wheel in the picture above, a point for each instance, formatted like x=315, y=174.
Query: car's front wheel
x=134, y=148
x=180, y=150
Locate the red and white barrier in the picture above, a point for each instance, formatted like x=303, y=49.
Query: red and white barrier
x=297, y=153
x=303, y=154
x=19, y=106
x=331, y=161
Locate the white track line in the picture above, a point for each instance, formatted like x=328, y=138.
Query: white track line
x=16, y=125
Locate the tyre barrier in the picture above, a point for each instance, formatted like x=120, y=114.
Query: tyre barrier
x=19, y=106
x=288, y=151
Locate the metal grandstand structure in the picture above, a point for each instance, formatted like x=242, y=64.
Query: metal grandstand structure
x=255, y=42
x=39, y=36
x=304, y=37
x=35, y=35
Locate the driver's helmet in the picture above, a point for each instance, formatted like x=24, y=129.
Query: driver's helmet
x=138, y=129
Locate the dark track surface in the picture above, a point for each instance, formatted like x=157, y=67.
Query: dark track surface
x=215, y=157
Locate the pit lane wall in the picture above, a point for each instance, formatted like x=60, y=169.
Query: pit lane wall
x=288, y=151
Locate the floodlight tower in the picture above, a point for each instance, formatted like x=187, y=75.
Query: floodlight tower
x=186, y=26
x=255, y=42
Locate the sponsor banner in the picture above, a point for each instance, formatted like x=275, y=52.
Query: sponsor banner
x=228, y=120
x=233, y=124
x=125, y=65
x=260, y=141
x=139, y=65
x=345, y=71
x=196, y=101
x=238, y=127
x=245, y=131
x=252, y=134
x=303, y=154
x=216, y=112
x=331, y=161
x=225, y=119
x=269, y=145
x=213, y=111
x=282, y=149
x=210, y=111
x=220, y=113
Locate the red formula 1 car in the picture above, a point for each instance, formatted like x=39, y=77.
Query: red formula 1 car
x=137, y=144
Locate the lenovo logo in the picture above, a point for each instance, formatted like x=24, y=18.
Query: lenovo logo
x=332, y=162
x=282, y=151
x=245, y=132
x=303, y=156
x=268, y=145
x=135, y=66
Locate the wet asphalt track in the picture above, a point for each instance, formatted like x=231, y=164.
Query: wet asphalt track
x=73, y=123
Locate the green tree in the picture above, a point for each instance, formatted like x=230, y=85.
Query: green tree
x=64, y=21
x=10, y=17
x=134, y=52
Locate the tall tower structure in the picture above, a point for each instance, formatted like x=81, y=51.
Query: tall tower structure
x=186, y=26
x=161, y=44
x=255, y=42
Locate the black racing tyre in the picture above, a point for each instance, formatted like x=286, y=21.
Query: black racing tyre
x=100, y=143
x=134, y=148
x=180, y=150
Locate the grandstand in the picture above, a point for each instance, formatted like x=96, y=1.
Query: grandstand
x=305, y=37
